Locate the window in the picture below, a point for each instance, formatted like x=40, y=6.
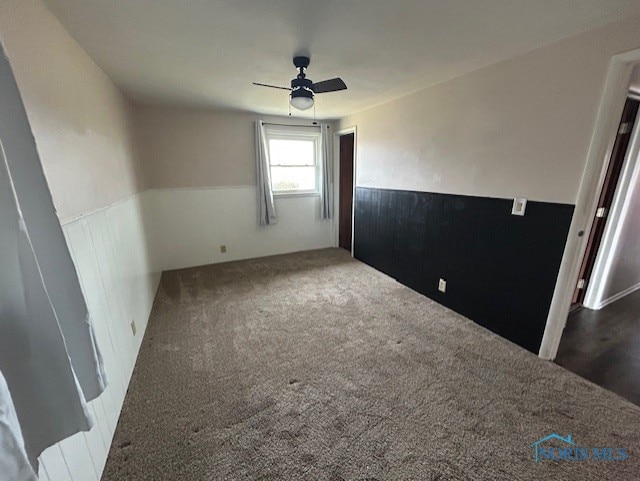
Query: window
x=293, y=159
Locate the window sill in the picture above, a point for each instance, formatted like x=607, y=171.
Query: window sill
x=285, y=195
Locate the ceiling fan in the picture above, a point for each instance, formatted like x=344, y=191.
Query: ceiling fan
x=303, y=89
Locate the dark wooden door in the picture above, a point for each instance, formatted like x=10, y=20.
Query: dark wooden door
x=346, y=191
x=616, y=162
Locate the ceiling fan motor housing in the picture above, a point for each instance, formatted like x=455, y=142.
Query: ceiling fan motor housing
x=301, y=62
x=301, y=82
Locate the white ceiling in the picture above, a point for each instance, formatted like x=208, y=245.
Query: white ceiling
x=207, y=52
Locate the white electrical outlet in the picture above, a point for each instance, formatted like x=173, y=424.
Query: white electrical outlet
x=223, y=249
x=133, y=327
x=442, y=285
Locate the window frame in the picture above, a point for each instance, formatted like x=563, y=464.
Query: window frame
x=295, y=133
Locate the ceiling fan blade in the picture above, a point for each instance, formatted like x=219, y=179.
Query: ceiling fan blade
x=272, y=86
x=331, y=85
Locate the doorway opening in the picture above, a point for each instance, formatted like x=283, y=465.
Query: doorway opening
x=345, y=192
x=610, y=186
x=601, y=340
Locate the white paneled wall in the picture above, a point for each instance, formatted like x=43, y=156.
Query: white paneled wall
x=119, y=280
x=119, y=253
x=192, y=223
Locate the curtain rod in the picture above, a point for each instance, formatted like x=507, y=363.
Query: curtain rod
x=292, y=125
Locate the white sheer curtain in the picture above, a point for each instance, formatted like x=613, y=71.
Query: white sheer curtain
x=13, y=456
x=266, y=206
x=326, y=199
x=33, y=355
x=48, y=352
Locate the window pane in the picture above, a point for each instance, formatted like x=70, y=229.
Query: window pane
x=293, y=178
x=291, y=152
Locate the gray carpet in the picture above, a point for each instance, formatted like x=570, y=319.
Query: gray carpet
x=313, y=366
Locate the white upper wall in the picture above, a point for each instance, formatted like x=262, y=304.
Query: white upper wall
x=80, y=120
x=518, y=128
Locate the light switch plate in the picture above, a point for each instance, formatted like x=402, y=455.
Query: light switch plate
x=133, y=327
x=442, y=285
x=519, y=206
x=223, y=249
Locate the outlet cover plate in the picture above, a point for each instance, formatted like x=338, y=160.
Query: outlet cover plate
x=442, y=285
x=519, y=206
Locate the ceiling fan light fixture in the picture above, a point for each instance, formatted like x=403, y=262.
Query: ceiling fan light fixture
x=303, y=89
x=301, y=98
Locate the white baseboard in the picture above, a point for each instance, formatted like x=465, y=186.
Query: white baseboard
x=614, y=298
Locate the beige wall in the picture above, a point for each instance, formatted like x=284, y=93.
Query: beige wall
x=80, y=120
x=187, y=147
x=521, y=127
x=182, y=147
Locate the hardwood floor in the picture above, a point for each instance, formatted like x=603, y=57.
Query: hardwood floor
x=604, y=346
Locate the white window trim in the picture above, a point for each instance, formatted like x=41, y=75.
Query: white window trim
x=293, y=133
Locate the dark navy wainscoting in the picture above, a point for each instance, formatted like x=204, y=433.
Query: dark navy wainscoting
x=500, y=269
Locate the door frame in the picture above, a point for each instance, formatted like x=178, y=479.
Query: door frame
x=609, y=192
x=615, y=222
x=336, y=183
x=604, y=134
